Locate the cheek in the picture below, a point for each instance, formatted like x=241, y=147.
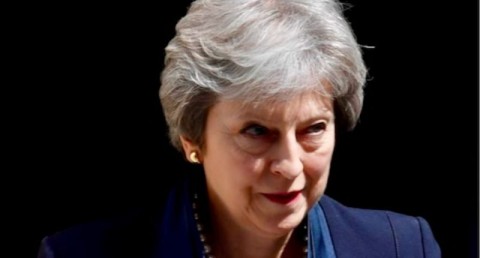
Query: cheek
x=318, y=163
x=249, y=169
x=234, y=168
x=248, y=159
x=317, y=169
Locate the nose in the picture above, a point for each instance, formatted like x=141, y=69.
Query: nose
x=287, y=157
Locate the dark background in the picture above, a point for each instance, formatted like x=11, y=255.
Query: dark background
x=90, y=139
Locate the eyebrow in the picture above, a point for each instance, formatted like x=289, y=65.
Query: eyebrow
x=255, y=116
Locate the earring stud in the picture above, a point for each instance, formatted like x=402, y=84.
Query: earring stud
x=193, y=157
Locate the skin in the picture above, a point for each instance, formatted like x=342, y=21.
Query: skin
x=252, y=152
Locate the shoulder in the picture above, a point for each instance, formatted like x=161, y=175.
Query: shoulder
x=373, y=228
x=371, y=217
x=120, y=236
x=362, y=216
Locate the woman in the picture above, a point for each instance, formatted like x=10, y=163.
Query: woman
x=254, y=91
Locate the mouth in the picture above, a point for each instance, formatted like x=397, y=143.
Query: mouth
x=283, y=198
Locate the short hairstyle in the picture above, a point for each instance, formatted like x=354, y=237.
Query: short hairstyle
x=257, y=50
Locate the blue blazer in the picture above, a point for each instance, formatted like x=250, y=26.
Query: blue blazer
x=170, y=232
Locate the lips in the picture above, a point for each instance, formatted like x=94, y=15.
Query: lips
x=283, y=198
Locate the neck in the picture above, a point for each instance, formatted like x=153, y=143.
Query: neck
x=229, y=239
x=222, y=237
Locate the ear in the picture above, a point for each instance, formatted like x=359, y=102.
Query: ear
x=189, y=147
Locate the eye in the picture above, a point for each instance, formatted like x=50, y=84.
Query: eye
x=254, y=138
x=255, y=130
x=317, y=128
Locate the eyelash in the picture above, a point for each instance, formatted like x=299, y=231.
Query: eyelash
x=317, y=128
x=249, y=130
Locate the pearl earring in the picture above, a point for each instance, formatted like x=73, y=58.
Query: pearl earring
x=193, y=157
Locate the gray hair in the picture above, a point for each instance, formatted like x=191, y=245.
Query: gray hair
x=257, y=50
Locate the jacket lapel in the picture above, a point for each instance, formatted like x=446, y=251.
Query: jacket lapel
x=358, y=233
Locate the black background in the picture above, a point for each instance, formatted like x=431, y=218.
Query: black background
x=90, y=139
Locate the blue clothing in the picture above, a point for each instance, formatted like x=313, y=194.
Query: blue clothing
x=335, y=231
x=320, y=244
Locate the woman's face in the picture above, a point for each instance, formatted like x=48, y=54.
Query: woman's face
x=267, y=165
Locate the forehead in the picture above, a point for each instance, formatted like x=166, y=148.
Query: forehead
x=304, y=106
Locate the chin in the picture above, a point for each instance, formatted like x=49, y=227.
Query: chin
x=287, y=223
